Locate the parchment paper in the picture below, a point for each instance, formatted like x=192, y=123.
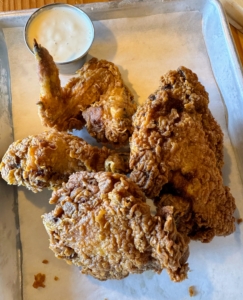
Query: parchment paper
x=144, y=49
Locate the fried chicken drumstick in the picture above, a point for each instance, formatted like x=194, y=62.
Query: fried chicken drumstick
x=176, y=156
x=97, y=98
x=102, y=223
x=47, y=160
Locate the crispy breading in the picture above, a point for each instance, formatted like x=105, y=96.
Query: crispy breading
x=174, y=157
x=183, y=84
x=118, y=162
x=102, y=223
x=96, y=98
x=46, y=160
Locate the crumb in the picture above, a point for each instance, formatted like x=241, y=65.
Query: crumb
x=56, y=278
x=239, y=220
x=45, y=261
x=192, y=291
x=39, y=280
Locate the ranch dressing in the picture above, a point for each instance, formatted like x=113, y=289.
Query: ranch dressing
x=65, y=32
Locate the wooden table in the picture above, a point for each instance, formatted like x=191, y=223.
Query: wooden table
x=6, y=5
x=238, y=38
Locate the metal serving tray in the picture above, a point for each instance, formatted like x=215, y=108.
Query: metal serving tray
x=216, y=267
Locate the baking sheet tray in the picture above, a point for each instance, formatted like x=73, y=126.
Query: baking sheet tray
x=145, y=39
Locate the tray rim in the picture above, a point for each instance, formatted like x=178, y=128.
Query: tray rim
x=5, y=18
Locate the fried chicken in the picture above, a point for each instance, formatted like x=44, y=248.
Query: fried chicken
x=118, y=162
x=102, y=223
x=176, y=157
x=47, y=160
x=97, y=98
x=183, y=84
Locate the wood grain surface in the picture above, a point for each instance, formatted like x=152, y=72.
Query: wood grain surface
x=238, y=38
x=7, y=5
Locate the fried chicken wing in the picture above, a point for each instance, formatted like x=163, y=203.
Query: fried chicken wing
x=47, y=160
x=175, y=156
x=97, y=98
x=102, y=223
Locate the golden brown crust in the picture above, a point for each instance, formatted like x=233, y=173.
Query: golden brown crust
x=183, y=84
x=47, y=160
x=118, y=162
x=54, y=109
x=97, y=98
x=102, y=223
x=173, y=157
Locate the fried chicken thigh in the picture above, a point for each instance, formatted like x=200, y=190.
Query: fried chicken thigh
x=102, y=223
x=176, y=156
x=97, y=98
x=47, y=160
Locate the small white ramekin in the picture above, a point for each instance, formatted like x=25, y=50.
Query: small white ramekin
x=66, y=67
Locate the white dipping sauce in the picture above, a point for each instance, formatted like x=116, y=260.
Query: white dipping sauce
x=67, y=33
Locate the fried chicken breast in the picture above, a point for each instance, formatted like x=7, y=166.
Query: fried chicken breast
x=102, y=223
x=183, y=84
x=176, y=157
x=96, y=98
x=47, y=160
